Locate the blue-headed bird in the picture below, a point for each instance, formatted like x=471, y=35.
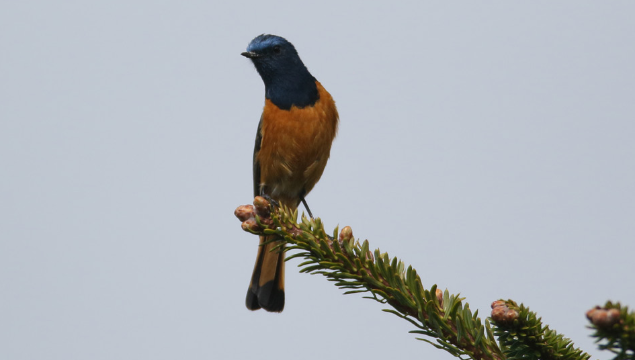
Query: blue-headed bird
x=293, y=144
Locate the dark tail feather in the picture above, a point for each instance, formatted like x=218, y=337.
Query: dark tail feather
x=266, y=289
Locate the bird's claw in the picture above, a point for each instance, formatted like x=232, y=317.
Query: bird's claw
x=273, y=202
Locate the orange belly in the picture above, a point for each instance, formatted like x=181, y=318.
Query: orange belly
x=295, y=147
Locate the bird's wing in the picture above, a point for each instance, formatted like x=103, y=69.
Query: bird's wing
x=256, y=162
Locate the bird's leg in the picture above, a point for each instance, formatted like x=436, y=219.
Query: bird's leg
x=311, y=215
x=307, y=207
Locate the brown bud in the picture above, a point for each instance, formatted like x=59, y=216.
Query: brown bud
x=589, y=314
x=244, y=212
x=511, y=315
x=439, y=295
x=263, y=207
x=346, y=233
x=502, y=313
x=251, y=225
x=498, y=303
x=600, y=318
x=498, y=314
x=614, y=314
x=612, y=317
x=603, y=318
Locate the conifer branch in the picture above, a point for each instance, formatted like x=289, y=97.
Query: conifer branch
x=615, y=328
x=522, y=335
x=443, y=319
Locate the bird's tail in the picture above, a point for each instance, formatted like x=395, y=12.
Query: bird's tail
x=266, y=289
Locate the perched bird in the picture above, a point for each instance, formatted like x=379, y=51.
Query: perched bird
x=293, y=143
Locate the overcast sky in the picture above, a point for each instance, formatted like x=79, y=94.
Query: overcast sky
x=489, y=144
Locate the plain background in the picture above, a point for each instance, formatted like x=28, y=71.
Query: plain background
x=490, y=145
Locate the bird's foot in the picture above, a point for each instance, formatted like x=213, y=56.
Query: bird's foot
x=273, y=202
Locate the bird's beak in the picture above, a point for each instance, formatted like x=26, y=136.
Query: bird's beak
x=250, y=54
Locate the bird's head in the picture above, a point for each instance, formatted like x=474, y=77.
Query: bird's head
x=275, y=59
x=270, y=48
x=287, y=80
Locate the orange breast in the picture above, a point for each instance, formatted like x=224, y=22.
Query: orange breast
x=295, y=147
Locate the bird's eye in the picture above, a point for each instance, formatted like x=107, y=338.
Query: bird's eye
x=276, y=49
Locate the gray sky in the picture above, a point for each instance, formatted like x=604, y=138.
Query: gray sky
x=489, y=145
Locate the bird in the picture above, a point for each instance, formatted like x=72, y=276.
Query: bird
x=293, y=143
